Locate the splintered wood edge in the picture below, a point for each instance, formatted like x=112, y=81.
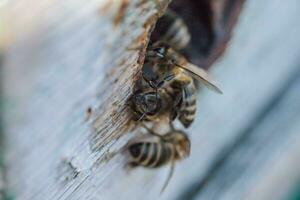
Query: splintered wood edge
x=113, y=118
x=108, y=118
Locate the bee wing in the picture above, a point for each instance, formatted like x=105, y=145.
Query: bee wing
x=201, y=75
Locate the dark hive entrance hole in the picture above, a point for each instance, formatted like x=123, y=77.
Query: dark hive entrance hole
x=198, y=17
x=210, y=23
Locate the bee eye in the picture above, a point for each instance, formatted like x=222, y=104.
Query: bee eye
x=160, y=51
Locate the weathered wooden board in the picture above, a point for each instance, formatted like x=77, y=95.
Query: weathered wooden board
x=63, y=58
x=2, y=182
x=77, y=59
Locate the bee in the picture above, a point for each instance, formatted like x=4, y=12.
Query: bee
x=172, y=30
x=167, y=85
x=149, y=104
x=166, y=149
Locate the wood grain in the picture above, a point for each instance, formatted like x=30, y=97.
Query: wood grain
x=72, y=59
x=64, y=58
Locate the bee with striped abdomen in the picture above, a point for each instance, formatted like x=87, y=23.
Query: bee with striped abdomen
x=172, y=30
x=150, y=104
x=167, y=84
x=168, y=79
x=160, y=150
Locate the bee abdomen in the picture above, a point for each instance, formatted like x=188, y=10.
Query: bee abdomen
x=165, y=156
x=174, y=31
x=188, y=107
x=150, y=154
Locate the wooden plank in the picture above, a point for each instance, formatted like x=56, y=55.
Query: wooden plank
x=63, y=58
x=55, y=154
x=2, y=182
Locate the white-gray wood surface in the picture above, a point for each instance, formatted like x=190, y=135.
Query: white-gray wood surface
x=2, y=182
x=67, y=56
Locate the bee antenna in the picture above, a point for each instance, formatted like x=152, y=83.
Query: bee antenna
x=151, y=131
x=142, y=117
x=168, y=177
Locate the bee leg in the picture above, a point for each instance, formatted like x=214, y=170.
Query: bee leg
x=141, y=117
x=136, y=115
x=171, y=172
x=154, y=86
x=176, y=105
x=160, y=84
x=151, y=131
x=169, y=77
x=166, y=78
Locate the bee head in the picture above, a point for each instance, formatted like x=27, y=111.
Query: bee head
x=158, y=50
x=147, y=103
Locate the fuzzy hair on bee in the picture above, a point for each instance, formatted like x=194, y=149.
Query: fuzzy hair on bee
x=148, y=104
x=167, y=86
x=166, y=89
x=160, y=150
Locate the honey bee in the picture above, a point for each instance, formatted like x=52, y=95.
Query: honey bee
x=167, y=86
x=172, y=30
x=149, y=104
x=166, y=149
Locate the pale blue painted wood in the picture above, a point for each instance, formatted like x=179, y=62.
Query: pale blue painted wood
x=63, y=71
